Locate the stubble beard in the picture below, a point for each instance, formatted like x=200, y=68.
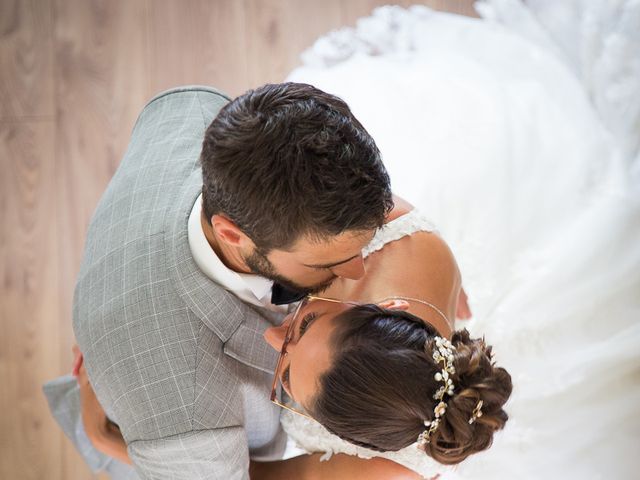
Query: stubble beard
x=259, y=264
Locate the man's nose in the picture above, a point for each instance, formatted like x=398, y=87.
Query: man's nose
x=353, y=269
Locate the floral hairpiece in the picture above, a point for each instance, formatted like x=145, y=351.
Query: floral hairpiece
x=442, y=353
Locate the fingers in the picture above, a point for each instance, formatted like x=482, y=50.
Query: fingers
x=463, y=311
x=82, y=377
x=77, y=368
x=93, y=416
x=78, y=361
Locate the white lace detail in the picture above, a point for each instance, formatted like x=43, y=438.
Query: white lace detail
x=313, y=437
x=389, y=29
x=407, y=224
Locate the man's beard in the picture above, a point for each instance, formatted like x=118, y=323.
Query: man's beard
x=259, y=264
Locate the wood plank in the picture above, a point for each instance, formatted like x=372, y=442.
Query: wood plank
x=197, y=42
x=101, y=86
x=30, y=443
x=354, y=9
x=279, y=30
x=101, y=67
x=460, y=7
x=26, y=88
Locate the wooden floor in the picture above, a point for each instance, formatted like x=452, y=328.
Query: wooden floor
x=74, y=74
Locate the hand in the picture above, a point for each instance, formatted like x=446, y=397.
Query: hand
x=463, y=312
x=94, y=418
x=77, y=361
x=104, y=435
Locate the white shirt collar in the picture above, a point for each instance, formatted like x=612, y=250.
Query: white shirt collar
x=249, y=288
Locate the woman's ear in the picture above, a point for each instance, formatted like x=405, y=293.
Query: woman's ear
x=394, y=304
x=229, y=232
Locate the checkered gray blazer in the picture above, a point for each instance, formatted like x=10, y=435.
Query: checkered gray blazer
x=178, y=362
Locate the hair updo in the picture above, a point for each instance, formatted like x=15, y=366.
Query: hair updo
x=379, y=390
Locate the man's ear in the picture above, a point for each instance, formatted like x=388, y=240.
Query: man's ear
x=229, y=232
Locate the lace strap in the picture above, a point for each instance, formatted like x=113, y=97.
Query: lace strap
x=397, y=228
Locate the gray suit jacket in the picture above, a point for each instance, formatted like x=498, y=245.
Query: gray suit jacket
x=178, y=362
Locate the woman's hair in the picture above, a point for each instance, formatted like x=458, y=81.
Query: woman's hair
x=379, y=390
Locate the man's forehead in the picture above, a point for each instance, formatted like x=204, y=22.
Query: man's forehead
x=331, y=250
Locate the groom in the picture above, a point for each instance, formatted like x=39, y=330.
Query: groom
x=196, y=248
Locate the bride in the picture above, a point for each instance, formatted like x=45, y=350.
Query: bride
x=384, y=378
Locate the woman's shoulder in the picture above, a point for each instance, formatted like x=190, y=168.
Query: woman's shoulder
x=409, y=258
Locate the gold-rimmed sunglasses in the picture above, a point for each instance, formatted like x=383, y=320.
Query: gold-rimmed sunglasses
x=295, y=322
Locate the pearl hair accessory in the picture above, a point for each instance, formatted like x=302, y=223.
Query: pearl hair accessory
x=442, y=353
x=477, y=412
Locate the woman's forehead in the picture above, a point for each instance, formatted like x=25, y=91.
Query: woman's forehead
x=312, y=356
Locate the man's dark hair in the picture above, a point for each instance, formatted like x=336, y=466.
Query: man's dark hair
x=287, y=160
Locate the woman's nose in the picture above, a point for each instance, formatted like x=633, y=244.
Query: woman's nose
x=275, y=335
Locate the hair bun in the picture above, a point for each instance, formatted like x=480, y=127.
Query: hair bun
x=476, y=379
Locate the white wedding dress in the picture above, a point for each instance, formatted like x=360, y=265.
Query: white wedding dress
x=519, y=136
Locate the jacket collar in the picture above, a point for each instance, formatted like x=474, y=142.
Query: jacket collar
x=237, y=325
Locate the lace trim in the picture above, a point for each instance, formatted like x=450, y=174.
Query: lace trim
x=312, y=437
x=389, y=29
x=403, y=226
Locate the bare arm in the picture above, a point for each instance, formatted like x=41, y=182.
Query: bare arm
x=103, y=434
x=309, y=467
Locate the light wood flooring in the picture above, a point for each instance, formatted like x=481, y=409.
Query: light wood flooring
x=74, y=74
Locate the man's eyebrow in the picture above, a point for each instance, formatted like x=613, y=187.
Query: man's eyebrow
x=335, y=264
